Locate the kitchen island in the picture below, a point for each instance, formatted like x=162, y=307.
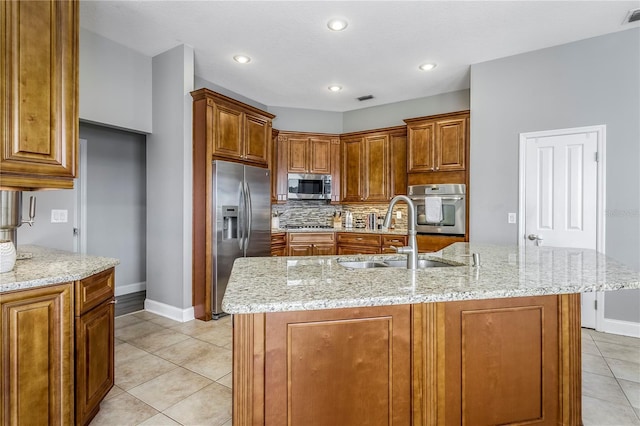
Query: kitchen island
x=56, y=337
x=318, y=343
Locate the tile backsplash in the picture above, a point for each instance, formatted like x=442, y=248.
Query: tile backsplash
x=312, y=213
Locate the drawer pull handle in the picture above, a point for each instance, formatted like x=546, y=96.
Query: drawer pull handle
x=114, y=301
x=359, y=239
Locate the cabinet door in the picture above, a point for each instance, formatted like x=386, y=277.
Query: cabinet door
x=39, y=91
x=352, y=158
x=324, y=250
x=348, y=250
x=298, y=155
x=450, y=145
x=257, y=136
x=279, y=251
x=273, y=166
x=282, y=183
x=356, y=361
x=421, y=147
x=398, y=164
x=94, y=359
x=319, y=156
x=300, y=249
x=36, y=340
x=376, y=168
x=227, y=131
x=430, y=243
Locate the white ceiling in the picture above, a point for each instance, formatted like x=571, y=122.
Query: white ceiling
x=295, y=57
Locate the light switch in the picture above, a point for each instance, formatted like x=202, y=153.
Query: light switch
x=59, y=216
x=398, y=215
x=512, y=218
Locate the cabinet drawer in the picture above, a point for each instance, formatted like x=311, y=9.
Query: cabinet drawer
x=359, y=239
x=394, y=240
x=311, y=237
x=93, y=290
x=279, y=238
x=351, y=250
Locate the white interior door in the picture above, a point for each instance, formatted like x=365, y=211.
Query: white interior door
x=560, y=200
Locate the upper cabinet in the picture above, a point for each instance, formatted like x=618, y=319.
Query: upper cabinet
x=438, y=143
x=309, y=154
x=374, y=165
x=39, y=91
x=230, y=129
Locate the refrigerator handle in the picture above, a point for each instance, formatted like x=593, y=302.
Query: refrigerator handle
x=241, y=216
x=249, y=210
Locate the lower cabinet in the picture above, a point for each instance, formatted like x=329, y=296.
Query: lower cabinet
x=311, y=243
x=361, y=243
x=43, y=379
x=279, y=244
x=478, y=362
x=430, y=243
x=36, y=373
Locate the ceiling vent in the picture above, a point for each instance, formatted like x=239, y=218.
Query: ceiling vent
x=365, y=98
x=632, y=16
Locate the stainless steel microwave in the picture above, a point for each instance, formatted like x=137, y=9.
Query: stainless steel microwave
x=449, y=201
x=309, y=187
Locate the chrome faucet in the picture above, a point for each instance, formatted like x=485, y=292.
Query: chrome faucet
x=412, y=249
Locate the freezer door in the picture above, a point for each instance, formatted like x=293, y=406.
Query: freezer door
x=258, y=190
x=228, y=222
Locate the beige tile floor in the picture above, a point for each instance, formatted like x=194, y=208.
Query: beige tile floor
x=171, y=373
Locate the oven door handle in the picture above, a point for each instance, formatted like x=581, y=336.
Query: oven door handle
x=446, y=198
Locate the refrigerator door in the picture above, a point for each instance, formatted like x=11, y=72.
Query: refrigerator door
x=228, y=221
x=258, y=196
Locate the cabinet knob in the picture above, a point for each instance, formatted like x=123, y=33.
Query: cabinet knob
x=437, y=168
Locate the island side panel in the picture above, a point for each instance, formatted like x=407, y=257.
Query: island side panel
x=570, y=347
x=248, y=369
x=338, y=366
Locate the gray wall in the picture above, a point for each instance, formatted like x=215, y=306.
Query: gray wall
x=169, y=176
x=589, y=82
x=116, y=206
x=115, y=84
x=393, y=114
x=116, y=201
x=306, y=120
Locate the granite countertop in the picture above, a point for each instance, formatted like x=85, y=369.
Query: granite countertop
x=356, y=230
x=50, y=266
x=277, y=284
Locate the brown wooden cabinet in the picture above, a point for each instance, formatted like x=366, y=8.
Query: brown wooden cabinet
x=273, y=165
x=94, y=338
x=366, y=243
x=309, y=154
x=230, y=130
x=36, y=339
x=279, y=244
x=476, y=362
x=44, y=379
x=39, y=92
x=373, y=165
x=335, y=171
x=334, y=353
x=434, y=242
x=311, y=243
x=438, y=143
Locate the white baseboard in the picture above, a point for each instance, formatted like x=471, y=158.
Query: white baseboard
x=168, y=311
x=130, y=288
x=624, y=328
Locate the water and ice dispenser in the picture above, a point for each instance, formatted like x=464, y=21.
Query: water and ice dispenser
x=229, y=222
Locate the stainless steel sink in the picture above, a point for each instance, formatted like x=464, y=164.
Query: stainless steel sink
x=422, y=263
x=367, y=264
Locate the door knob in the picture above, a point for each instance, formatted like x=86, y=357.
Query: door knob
x=536, y=238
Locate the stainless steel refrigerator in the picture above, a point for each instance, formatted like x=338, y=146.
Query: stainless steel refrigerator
x=242, y=218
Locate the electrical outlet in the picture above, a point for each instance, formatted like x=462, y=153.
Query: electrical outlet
x=59, y=216
x=512, y=218
x=398, y=215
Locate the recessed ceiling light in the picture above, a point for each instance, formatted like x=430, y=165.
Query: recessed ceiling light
x=335, y=88
x=337, y=24
x=427, y=67
x=242, y=59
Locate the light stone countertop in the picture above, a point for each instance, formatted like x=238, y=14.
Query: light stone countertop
x=278, y=284
x=50, y=266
